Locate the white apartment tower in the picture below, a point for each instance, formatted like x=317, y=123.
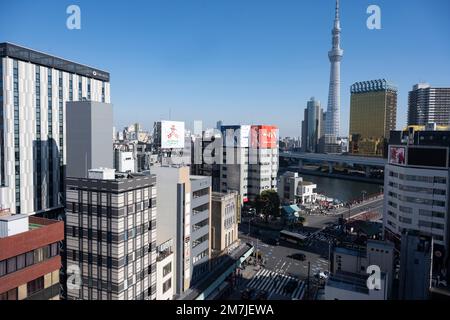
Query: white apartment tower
x=34, y=89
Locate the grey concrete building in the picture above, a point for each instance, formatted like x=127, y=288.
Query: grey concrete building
x=111, y=237
x=184, y=206
x=89, y=143
x=415, y=266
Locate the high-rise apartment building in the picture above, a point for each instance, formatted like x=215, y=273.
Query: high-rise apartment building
x=250, y=160
x=111, y=236
x=428, y=105
x=312, y=126
x=34, y=89
x=184, y=215
x=29, y=257
x=373, y=114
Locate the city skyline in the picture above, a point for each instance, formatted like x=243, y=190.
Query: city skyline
x=224, y=61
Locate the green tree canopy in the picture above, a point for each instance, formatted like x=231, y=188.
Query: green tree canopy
x=268, y=203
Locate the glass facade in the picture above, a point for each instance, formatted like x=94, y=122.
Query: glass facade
x=373, y=114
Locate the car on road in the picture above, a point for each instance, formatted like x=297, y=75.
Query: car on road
x=298, y=256
x=322, y=275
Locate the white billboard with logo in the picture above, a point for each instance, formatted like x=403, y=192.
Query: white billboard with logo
x=172, y=134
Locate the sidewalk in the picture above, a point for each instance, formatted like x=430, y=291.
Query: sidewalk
x=247, y=274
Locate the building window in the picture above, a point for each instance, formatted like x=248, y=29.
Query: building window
x=2, y=151
x=200, y=193
x=16, y=133
x=50, y=141
x=38, y=255
x=35, y=286
x=9, y=295
x=89, y=89
x=167, y=285
x=11, y=265
x=29, y=258
x=71, y=87
x=103, y=91
x=80, y=86
x=2, y=268
x=38, y=139
x=167, y=269
x=21, y=261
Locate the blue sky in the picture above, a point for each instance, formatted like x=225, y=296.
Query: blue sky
x=241, y=61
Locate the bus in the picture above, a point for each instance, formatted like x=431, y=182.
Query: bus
x=292, y=237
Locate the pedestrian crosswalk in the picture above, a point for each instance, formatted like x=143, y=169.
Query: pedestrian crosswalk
x=274, y=283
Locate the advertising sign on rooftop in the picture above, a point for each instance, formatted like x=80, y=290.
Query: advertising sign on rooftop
x=172, y=134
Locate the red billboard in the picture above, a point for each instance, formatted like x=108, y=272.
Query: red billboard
x=264, y=137
x=397, y=155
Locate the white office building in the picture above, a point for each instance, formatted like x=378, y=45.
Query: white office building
x=34, y=89
x=292, y=189
x=250, y=160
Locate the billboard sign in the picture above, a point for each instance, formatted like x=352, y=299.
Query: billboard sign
x=172, y=135
x=397, y=155
x=264, y=137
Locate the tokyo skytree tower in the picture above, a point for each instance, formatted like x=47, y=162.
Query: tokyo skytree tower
x=332, y=124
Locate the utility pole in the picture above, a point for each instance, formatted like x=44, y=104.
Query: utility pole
x=329, y=257
x=307, y=281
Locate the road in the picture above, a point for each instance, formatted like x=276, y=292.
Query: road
x=318, y=222
x=276, y=258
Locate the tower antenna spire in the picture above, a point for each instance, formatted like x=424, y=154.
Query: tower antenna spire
x=337, y=9
x=337, y=17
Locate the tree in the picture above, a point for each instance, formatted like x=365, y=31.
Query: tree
x=268, y=204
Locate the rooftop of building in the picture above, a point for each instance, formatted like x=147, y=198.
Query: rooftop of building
x=373, y=86
x=26, y=223
x=43, y=59
x=223, y=195
x=355, y=252
x=351, y=281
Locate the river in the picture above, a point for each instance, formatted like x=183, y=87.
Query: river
x=343, y=190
